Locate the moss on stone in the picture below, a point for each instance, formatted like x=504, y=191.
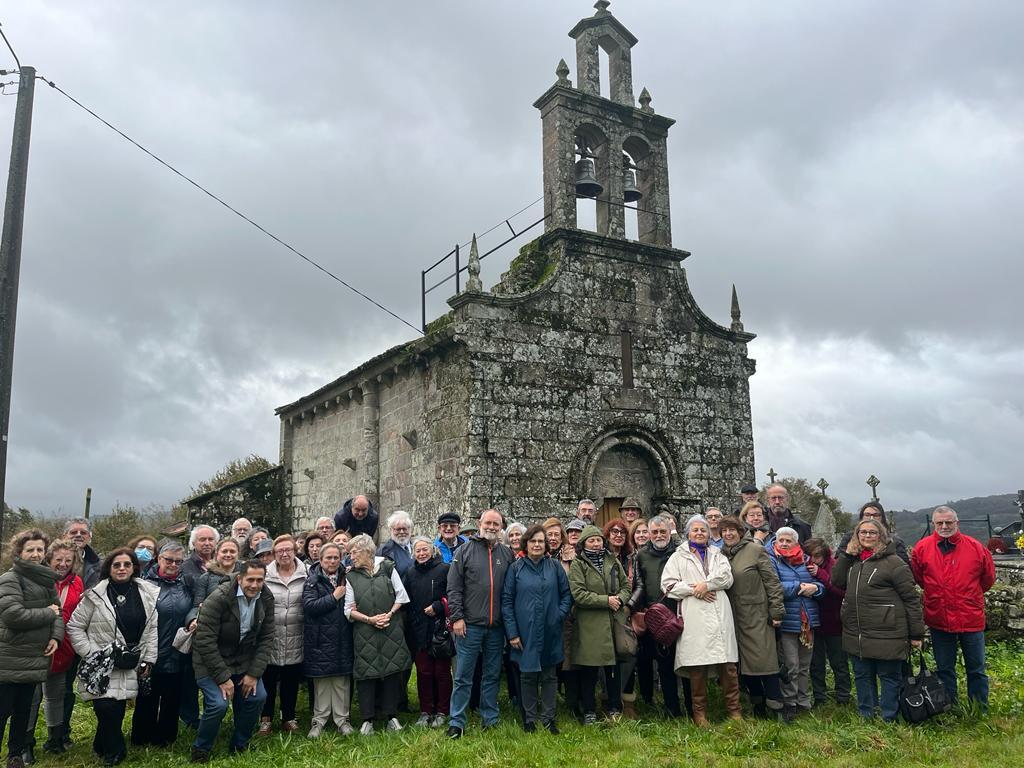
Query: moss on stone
x=440, y=323
x=530, y=269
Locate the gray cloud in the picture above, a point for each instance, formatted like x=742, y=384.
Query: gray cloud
x=854, y=167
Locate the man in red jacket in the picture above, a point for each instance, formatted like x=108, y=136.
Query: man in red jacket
x=955, y=571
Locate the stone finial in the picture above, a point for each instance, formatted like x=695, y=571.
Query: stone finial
x=736, y=324
x=824, y=526
x=645, y=101
x=563, y=73
x=473, y=284
x=602, y=8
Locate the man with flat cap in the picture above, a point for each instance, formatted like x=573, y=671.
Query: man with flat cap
x=448, y=537
x=748, y=492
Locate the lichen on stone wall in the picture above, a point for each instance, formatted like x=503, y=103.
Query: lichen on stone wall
x=530, y=269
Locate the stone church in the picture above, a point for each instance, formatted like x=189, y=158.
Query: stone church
x=588, y=371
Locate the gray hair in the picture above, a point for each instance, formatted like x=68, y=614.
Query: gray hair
x=944, y=508
x=363, y=543
x=694, y=520
x=786, y=530
x=518, y=526
x=321, y=519
x=197, y=529
x=426, y=539
x=399, y=516
x=585, y=501
x=664, y=520
x=241, y=520
x=171, y=546
x=78, y=521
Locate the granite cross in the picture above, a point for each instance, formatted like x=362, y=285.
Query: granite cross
x=822, y=484
x=772, y=474
x=874, y=482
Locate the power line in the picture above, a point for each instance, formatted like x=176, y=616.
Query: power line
x=10, y=47
x=227, y=205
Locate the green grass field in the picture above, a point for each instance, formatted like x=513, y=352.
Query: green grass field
x=833, y=736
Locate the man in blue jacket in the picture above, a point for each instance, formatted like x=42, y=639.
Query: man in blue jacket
x=448, y=537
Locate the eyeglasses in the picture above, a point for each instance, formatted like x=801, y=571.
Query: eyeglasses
x=119, y=566
x=869, y=534
x=617, y=532
x=172, y=561
x=943, y=523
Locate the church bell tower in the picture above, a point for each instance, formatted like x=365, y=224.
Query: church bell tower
x=607, y=149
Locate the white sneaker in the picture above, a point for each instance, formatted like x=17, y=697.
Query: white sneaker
x=439, y=721
x=393, y=724
x=424, y=720
x=315, y=731
x=366, y=729
x=346, y=729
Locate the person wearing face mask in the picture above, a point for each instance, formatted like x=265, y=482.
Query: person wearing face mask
x=120, y=610
x=397, y=549
x=31, y=630
x=599, y=588
x=475, y=580
x=62, y=558
x=535, y=601
x=650, y=562
x=155, y=719
x=144, y=548
x=698, y=575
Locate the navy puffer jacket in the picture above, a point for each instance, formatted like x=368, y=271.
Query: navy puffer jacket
x=791, y=577
x=173, y=605
x=327, y=634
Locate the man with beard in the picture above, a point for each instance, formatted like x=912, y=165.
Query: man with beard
x=240, y=530
x=475, y=580
x=397, y=549
x=650, y=561
x=586, y=510
x=780, y=515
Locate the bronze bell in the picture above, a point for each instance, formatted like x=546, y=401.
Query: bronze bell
x=587, y=184
x=630, y=192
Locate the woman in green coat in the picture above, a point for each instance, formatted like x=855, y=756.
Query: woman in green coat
x=598, y=585
x=757, y=609
x=374, y=596
x=31, y=630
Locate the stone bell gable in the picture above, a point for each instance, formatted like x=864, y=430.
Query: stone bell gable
x=587, y=371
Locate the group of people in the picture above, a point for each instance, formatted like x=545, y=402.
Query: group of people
x=246, y=620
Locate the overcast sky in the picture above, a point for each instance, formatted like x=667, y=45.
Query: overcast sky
x=856, y=168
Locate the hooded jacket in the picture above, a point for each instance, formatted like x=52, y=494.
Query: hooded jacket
x=476, y=576
x=593, y=644
x=172, y=607
x=344, y=520
x=27, y=622
x=218, y=650
x=954, y=582
x=288, y=628
x=792, y=576
x=206, y=584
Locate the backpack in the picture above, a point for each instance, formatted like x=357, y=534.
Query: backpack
x=922, y=696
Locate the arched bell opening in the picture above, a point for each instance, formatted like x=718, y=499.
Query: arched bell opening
x=591, y=179
x=637, y=181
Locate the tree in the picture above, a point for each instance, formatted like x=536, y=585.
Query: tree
x=122, y=525
x=805, y=497
x=233, y=471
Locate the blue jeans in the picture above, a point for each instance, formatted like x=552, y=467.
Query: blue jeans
x=247, y=712
x=867, y=673
x=973, y=646
x=488, y=642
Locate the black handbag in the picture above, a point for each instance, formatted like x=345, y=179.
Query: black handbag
x=124, y=657
x=922, y=696
x=442, y=643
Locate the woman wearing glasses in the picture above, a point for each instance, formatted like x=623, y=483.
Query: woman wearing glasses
x=120, y=610
x=881, y=616
x=155, y=720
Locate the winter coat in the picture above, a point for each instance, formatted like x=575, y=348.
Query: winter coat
x=954, y=584
x=90, y=567
x=831, y=603
x=709, y=635
x=756, y=599
x=790, y=519
x=592, y=642
x=172, y=607
x=327, y=634
x=65, y=654
x=194, y=567
x=345, y=521
x=650, y=562
x=378, y=652
x=881, y=610
x=217, y=648
x=535, y=602
x=792, y=576
x=426, y=584
x=27, y=623
x=901, y=547
x=476, y=576
x=448, y=552
x=205, y=584
x=93, y=627
x=288, y=624
x=398, y=555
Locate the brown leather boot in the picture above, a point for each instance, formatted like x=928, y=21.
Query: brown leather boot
x=699, y=695
x=730, y=682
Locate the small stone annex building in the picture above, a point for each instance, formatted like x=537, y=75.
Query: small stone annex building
x=589, y=370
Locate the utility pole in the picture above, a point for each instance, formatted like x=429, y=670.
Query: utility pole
x=10, y=258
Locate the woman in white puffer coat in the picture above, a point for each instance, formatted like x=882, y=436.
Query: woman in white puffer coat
x=697, y=575
x=286, y=576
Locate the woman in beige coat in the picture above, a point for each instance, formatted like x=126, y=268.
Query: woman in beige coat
x=697, y=575
x=121, y=609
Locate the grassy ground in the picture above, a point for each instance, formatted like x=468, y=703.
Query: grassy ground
x=832, y=735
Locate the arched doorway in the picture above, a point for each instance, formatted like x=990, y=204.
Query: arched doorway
x=623, y=470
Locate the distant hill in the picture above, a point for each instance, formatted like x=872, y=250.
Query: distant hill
x=1001, y=508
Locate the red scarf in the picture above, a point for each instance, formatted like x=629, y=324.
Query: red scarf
x=865, y=554
x=795, y=556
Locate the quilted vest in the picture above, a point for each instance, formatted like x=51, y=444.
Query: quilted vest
x=378, y=652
